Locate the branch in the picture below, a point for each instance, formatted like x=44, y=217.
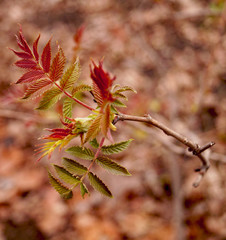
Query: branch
x=192, y=147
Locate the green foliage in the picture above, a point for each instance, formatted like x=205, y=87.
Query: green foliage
x=67, y=109
x=125, y=88
x=49, y=98
x=65, y=192
x=74, y=167
x=98, y=185
x=112, y=166
x=83, y=189
x=94, y=143
x=71, y=75
x=81, y=152
x=118, y=103
x=115, y=148
x=81, y=88
x=66, y=176
x=120, y=95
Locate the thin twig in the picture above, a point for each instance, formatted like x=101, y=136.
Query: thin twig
x=192, y=146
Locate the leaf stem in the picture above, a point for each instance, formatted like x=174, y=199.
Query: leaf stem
x=70, y=96
x=95, y=157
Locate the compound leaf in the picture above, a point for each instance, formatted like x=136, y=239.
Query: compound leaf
x=66, y=176
x=112, y=166
x=98, y=185
x=65, y=192
x=74, y=167
x=81, y=152
x=115, y=148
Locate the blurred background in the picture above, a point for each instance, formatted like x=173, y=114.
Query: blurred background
x=173, y=52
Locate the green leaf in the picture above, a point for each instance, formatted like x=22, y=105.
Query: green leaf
x=98, y=185
x=118, y=103
x=125, y=88
x=50, y=97
x=83, y=190
x=119, y=95
x=71, y=75
x=115, y=148
x=67, y=109
x=81, y=88
x=114, y=110
x=66, y=176
x=81, y=152
x=65, y=192
x=112, y=166
x=74, y=167
x=94, y=143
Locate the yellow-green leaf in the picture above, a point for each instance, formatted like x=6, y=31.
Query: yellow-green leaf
x=112, y=166
x=81, y=152
x=50, y=97
x=94, y=143
x=67, y=109
x=66, y=176
x=71, y=75
x=81, y=88
x=65, y=192
x=98, y=185
x=83, y=190
x=74, y=167
x=115, y=148
x=118, y=103
x=125, y=88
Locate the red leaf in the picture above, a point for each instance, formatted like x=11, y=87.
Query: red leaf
x=35, y=48
x=26, y=63
x=46, y=57
x=102, y=81
x=31, y=76
x=38, y=87
x=23, y=43
x=58, y=133
x=57, y=66
x=22, y=54
x=78, y=34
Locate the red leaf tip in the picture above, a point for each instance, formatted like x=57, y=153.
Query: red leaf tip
x=102, y=80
